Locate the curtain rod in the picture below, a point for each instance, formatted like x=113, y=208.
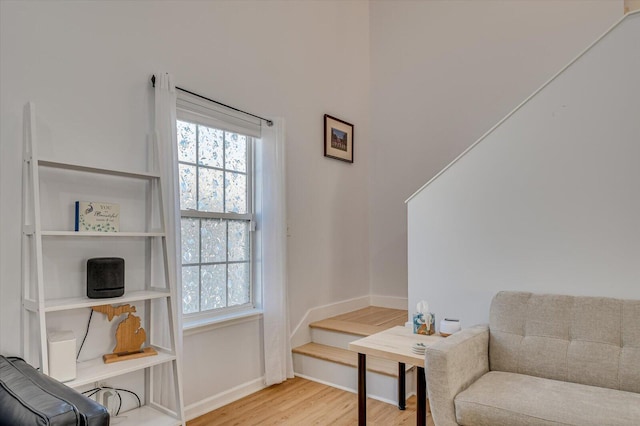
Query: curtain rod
x=269, y=122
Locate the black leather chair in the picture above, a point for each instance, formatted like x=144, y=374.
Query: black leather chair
x=30, y=398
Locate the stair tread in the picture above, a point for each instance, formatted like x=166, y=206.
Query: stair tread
x=364, y=322
x=348, y=358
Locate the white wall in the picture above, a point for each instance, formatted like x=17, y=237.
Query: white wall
x=442, y=74
x=86, y=66
x=548, y=201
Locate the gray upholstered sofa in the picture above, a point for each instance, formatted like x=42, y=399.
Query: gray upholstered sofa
x=543, y=360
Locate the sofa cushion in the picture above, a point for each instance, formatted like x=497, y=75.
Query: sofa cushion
x=500, y=398
x=589, y=340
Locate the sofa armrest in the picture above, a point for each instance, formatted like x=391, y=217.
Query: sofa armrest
x=451, y=366
x=28, y=397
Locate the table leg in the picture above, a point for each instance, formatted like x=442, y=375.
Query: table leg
x=362, y=390
x=421, y=412
x=401, y=386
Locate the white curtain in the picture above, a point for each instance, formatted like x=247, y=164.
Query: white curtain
x=272, y=233
x=167, y=160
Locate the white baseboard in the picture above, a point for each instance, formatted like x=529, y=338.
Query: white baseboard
x=199, y=408
x=323, y=382
x=302, y=334
x=350, y=390
x=391, y=302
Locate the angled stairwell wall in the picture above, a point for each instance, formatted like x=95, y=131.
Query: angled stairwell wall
x=546, y=201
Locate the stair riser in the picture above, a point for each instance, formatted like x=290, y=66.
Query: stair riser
x=332, y=338
x=381, y=387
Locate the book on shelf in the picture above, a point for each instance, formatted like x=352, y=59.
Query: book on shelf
x=96, y=216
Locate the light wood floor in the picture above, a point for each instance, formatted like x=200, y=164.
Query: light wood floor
x=301, y=402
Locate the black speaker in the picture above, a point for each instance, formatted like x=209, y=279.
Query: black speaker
x=105, y=277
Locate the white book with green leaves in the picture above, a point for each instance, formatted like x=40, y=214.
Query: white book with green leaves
x=96, y=216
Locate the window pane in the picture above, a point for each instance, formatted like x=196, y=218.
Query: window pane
x=235, y=146
x=186, y=141
x=235, y=192
x=210, y=190
x=187, y=187
x=190, y=289
x=190, y=241
x=215, y=180
x=238, y=283
x=210, y=146
x=238, y=240
x=214, y=288
x=214, y=240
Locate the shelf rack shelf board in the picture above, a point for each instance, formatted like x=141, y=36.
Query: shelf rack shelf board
x=53, y=305
x=101, y=234
x=95, y=370
x=145, y=416
x=97, y=170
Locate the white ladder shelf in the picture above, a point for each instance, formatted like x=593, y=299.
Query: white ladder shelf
x=36, y=305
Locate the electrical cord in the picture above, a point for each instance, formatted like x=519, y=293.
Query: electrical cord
x=91, y=392
x=128, y=391
x=85, y=334
x=119, y=403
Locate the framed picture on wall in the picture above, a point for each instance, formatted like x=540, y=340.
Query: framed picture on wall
x=338, y=139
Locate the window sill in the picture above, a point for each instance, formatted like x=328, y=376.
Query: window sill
x=202, y=325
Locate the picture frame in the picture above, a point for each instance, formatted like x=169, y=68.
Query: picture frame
x=338, y=139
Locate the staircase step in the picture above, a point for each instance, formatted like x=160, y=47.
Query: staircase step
x=338, y=339
x=379, y=386
x=364, y=322
x=348, y=358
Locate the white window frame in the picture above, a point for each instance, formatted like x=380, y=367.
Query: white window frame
x=196, y=116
